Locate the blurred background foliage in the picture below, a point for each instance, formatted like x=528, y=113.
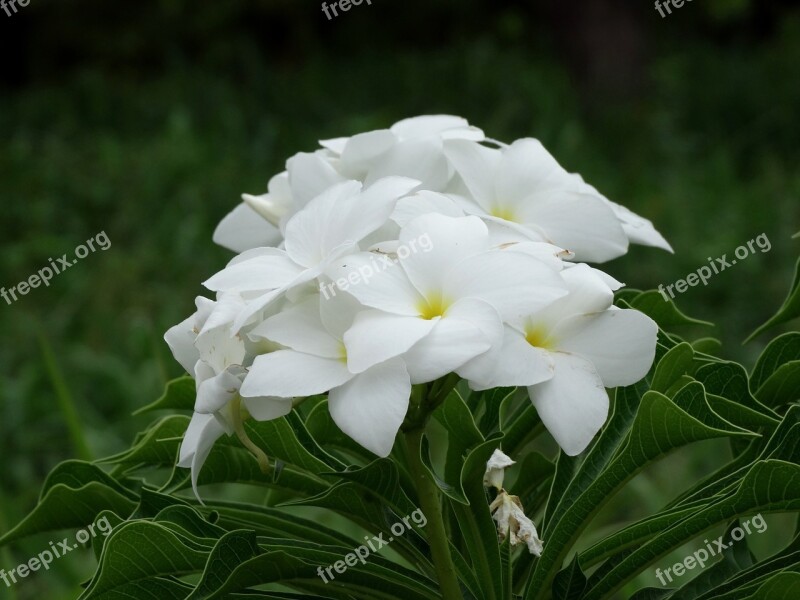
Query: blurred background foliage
x=147, y=120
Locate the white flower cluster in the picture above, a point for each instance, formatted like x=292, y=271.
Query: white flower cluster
x=500, y=297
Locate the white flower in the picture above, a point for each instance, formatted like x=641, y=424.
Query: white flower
x=411, y=148
x=495, y=469
x=369, y=406
x=441, y=308
x=511, y=521
x=329, y=227
x=523, y=187
x=203, y=345
x=585, y=344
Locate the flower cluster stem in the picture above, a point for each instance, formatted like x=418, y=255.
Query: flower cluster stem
x=429, y=499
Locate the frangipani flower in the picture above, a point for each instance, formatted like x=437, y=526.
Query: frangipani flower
x=369, y=406
x=329, y=227
x=441, y=308
x=410, y=148
x=203, y=345
x=585, y=344
x=497, y=297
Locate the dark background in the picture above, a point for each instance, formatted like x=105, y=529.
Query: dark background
x=147, y=120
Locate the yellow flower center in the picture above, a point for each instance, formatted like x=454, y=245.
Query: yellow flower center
x=538, y=337
x=432, y=307
x=504, y=212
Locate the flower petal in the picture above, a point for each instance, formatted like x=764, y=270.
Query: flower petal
x=267, y=409
x=243, y=229
x=512, y=363
x=573, y=405
x=468, y=329
x=180, y=339
x=621, y=344
x=371, y=407
x=287, y=374
x=451, y=240
x=477, y=165
x=299, y=327
x=377, y=336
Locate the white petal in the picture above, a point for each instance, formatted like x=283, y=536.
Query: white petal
x=512, y=363
x=579, y=222
x=423, y=203
x=310, y=174
x=203, y=432
x=527, y=167
x=375, y=280
x=264, y=272
x=467, y=329
x=361, y=150
x=450, y=241
x=287, y=374
x=180, y=339
x=477, y=165
x=514, y=283
x=377, y=336
x=621, y=344
x=419, y=158
x=299, y=327
x=243, y=229
x=214, y=393
x=447, y=126
x=371, y=407
x=335, y=145
x=267, y=409
x=573, y=405
x=638, y=229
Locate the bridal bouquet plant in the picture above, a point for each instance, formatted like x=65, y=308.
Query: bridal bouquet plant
x=410, y=313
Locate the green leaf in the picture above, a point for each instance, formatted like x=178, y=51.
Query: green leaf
x=569, y=583
x=782, y=387
x=734, y=559
x=476, y=523
x=462, y=436
x=769, y=486
x=180, y=394
x=157, y=446
x=288, y=439
x=788, y=311
x=663, y=311
x=729, y=380
x=73, y=495
x=781, y=350
x=138, y=551
x=232, y=550
x=659, y=427
x=679, y=361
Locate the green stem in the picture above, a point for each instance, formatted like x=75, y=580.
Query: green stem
x=430, y=504
x=64, y=400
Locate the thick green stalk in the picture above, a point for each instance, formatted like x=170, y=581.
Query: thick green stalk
x=430, y=503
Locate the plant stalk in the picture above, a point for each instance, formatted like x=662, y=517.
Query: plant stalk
x=429, y=499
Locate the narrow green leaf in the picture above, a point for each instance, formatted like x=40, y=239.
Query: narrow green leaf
x=180, y=394
x=788, y=311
